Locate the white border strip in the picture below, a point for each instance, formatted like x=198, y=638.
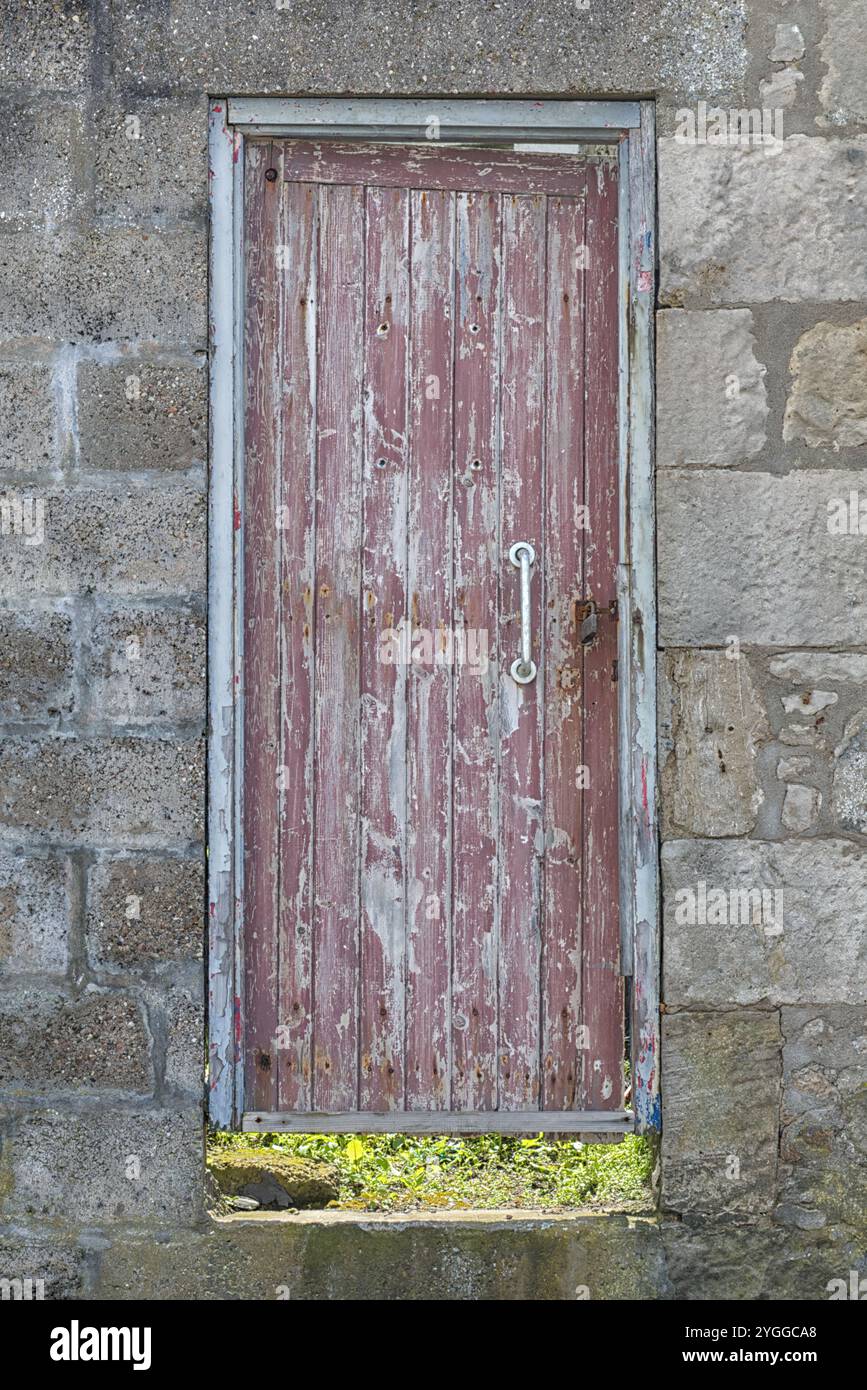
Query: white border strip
x=222, y=994
x=410, y=119
x=638, y=749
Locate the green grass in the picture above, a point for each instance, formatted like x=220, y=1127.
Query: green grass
x=400, y=1172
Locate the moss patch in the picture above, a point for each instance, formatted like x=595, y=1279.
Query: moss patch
x=274, y=1178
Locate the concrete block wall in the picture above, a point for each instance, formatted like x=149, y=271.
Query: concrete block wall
x=762, y=422
x=103, y=473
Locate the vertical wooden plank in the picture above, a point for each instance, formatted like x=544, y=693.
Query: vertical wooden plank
x=429, y=714
x=522, y=707
x=476, y=714
x=337, y=596
x=296, y=529
x=562, y=1056
x=263, y=426
x=383, y=671
x=602, y=988
x=602, y=985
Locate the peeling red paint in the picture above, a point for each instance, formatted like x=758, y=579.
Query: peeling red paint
x=506, y=1017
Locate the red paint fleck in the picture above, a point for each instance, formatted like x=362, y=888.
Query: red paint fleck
x=216, y=108
x=237, y=516
x=644, y=783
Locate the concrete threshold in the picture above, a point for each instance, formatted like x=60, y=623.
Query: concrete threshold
x=492, y=1216
x=349, y=1255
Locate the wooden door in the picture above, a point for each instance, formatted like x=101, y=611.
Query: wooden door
x=430, y=844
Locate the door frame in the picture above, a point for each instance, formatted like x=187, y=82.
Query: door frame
x=628, y=125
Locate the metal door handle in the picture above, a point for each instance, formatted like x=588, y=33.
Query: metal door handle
x=522, y=556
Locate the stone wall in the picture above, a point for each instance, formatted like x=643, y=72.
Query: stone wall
x=761, y=413
x=762, y=393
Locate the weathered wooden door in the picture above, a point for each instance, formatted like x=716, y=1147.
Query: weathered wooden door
x=431, y=859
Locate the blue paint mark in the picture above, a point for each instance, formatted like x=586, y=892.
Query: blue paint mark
x=649, y=1110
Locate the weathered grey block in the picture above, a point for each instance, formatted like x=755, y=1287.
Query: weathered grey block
x=824, y=1121
x=756, y=1260
x=50, y=1042
x=137, y=414
x=788, y=44
x=143, y=911
x=849, y=796
x=44, y=173
x=150, y=159
x=789, y=769
x=636, y=45
x=106, y=284
x=36, y=664
x=102, y=791
x=37, y=1269
x=106, y=1166
x=711, y=403
x=843, y=93
x=449, y=1256
x=185, y=1041
x=145, y=541
x=779, y=90
x=147, y=665
x=811, y=667
x=822, y=908
x=827, y=404
x=740, y=554
x=46, y=47
x=27, y=428
x=808, y=703
x=762, y=223
x=34, y=918
x=720, y=1104
x=712, y=723
x=801, y=807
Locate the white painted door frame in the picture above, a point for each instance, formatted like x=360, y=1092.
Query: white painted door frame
x=518, y=124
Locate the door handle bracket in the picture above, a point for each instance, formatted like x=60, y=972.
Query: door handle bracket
x=523, y=669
